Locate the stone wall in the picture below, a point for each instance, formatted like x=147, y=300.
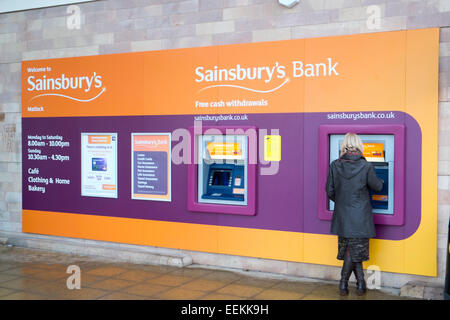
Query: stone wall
x=115, y=26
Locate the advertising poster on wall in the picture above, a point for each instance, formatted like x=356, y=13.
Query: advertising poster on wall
x=151, y=158
x=99, y=165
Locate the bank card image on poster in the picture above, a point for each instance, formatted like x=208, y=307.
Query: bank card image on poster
x=99, y=165
x=151, y=166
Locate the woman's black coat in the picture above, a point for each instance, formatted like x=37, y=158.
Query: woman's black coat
x=348, y=183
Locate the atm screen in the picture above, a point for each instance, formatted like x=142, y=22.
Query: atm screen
x=221, y=177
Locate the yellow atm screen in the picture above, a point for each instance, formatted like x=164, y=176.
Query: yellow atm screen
x=225, y=150
x=373, y=152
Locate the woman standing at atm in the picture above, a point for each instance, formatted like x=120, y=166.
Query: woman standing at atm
x=348, y=183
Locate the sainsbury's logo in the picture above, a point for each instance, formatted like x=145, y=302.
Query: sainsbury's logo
x=63, y=82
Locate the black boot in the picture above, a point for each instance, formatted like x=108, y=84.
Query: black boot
x=360, y=282
x=346, y=272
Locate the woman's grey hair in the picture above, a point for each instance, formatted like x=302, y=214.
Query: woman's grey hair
x=351, y=143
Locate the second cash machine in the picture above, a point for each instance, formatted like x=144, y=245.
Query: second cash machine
x=379, y=150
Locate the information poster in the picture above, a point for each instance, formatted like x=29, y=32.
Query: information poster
x=151, y=159
x=99, y=165
x=48, y=158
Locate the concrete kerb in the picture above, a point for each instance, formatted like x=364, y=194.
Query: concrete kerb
x=107, y=251
x=422, y=290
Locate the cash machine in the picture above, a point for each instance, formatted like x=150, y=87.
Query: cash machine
x=222, y=175
x=384, y=147
x=379, y=151
x=222, y=169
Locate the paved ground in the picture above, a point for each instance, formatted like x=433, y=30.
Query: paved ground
x=35, y=274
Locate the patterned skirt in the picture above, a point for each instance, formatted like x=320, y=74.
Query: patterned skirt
x=358, y=248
